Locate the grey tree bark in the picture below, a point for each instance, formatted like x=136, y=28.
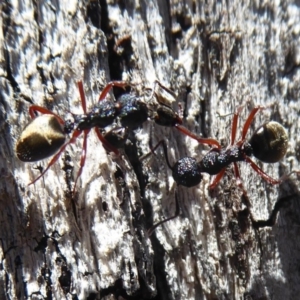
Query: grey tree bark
x=216, y=56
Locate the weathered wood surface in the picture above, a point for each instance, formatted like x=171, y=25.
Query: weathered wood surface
x=215, y=56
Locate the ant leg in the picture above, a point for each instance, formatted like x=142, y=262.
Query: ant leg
x=163, y=143
x=35, y=108
x=153, y=92
x=75, y=135
x=217, y=179
x=151, y=229
x=105, y=143
x=164, y=88
x=273, y=215
x=82, y=95
x=121, y=41
x=109, y=86
x=207, y=141
x=104, y=92
x=234, y=124
x=238, y=177
x=249, y=121
x=265, y=176
x=83, y=156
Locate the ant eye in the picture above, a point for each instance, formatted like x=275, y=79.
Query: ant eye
x=41, y=138
x=269, y=142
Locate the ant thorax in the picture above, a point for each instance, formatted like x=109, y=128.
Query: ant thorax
x=216, y=160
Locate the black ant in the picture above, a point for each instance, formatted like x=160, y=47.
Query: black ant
x=46, y=134
x=269, y=144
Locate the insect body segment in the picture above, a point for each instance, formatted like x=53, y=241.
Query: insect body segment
x=165, y=116
x=187, y=172
x=269, y=142
x=102, y=115
x=133, y=112
x=34, y=145
x=216, y=160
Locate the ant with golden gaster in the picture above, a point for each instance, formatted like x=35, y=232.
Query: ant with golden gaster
x=268, y=143
x=46, y=133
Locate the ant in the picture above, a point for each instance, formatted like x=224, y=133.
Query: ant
x=46, y=133
x=268, y=143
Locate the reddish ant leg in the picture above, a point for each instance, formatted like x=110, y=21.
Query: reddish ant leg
x=217, y=179
x=207, y=141
x=156, y=82
x=246, y=125
x=44, y=111
x=265, y=176
x=234, y=124
x=123, y=40
x=82, y=95
x=105, y=143
x=109, y=86
x=103, y=94
x=249, y=121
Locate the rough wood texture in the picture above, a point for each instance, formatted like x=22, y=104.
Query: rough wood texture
x=94, y=245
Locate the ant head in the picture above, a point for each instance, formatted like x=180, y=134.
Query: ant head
x=165, y=116
x=187, y=172
x=269, y=142
x=41, y=138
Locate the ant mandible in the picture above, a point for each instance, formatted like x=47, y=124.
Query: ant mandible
x=46, y=134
